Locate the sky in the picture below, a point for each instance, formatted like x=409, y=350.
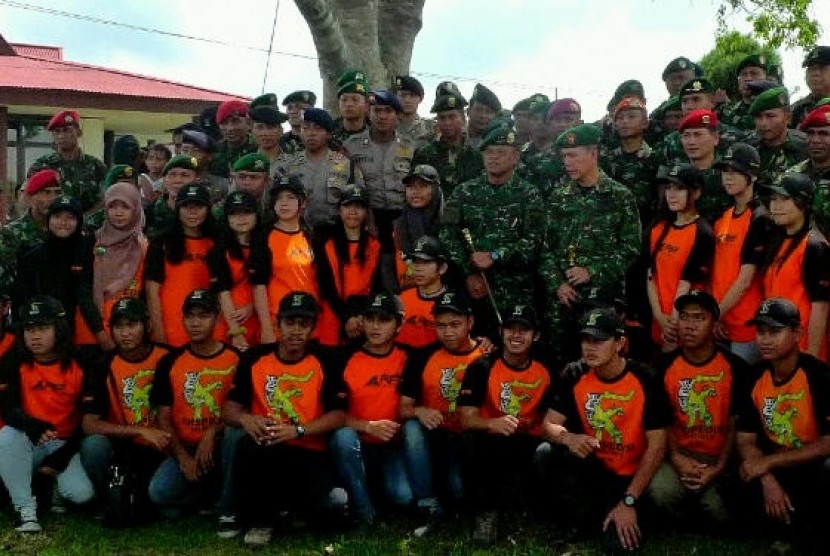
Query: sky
x=563, y=48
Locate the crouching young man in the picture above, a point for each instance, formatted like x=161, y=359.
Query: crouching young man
x=611, y=415
x=784, y=429
x=287, y=397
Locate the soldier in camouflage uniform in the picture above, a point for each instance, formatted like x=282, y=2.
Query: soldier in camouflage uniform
x=81, y=174
x=323, y=172
x=506, y=221
x=593, y=237
x=29, y=230
x=160, y=216
x=353, y=104
x=413, y=127
x=454, y=161
x=663, y=120
x=520, y=114
x=203, y=148
x=633, y=163
x=237, y=141
x=484, y=107
x=779, y=147
x=817, y=63
x=252, y=174
x=539, y=163
x=737, y=114
x=295, y=103
x=678, y=72
x=627, y=89
x=816, y=126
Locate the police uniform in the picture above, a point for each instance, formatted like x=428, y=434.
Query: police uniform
x=323, y=180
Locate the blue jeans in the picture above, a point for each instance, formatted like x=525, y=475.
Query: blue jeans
x=430, y=455
x=99, y=451
x=18, y=460
x=352, y=457
x=171, y=492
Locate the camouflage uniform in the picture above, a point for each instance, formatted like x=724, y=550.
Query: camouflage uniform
x=801, y=108
x=541, y=167
x=290, y=143
x=18, y=237
x=323, y=180
x=637, y=172
x=81, y=178
x=341, y=135
x=670, y=151
x=597, y=228
x=776, y=160
x=506, y=219
x=737, y=115
x=821, y=199
x=227, y=154
x=421, y=131
x=159, y=218
x=455, y=165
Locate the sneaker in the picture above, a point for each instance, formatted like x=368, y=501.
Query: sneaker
x=29, y=522
x=57, y=506
x=258, y=536
x=485, y=528
x=430, y=510
x=227, y=527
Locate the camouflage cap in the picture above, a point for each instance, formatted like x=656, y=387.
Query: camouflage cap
x=132, y=309
x=820, y=56
x=268, y=99
x=778, y=313
x=741, y=157
x=695, y=86
x=753, y=61
x=452, y=302
x=120, y=172
x=678, y=64
x=267, y=114
x=252, y=162
x=426, y=248
x=446, y=102
x=792, y=184
x=423, y=172
x=820, y=117
x=384, y=303
x=184, y=161
x=699, y=297
x=298, y=304
x=583, y=135
x=193, y=194
x=41, y=309
x=483, y=95
x=777, y=97
x=523, y=314
x=601, y=324
x=306, y=97
x=239, y=201
x=353, y=193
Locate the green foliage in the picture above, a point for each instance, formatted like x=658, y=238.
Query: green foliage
x=722, y=61
x=776, y=22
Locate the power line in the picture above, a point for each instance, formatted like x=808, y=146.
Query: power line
x=270, y=47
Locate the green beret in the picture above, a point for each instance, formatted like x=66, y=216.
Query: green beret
x=630, y=88
x=769, y=100
x=523, y=105
x=753, y=61
x=670, y=105
x=822, y=102
x=268, y=99
x=448, y=102
x=300, y=96
x=696, y=85
x=252, y=162
x=350, y=76
x=539, y=106
x=181, y=161
x=678, y=64
x=483, y=95
x=583, y=135
x=359, y=87
x=119, y=172
x=501, y=133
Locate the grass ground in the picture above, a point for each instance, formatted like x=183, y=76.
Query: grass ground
x=73, y=534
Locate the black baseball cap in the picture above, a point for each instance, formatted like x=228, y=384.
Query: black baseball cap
x=239, y=201
x=193, y=194
x=384, y=303
x=354, y=194
x=41, y=309
x=288, y=183
x=423, y=172
x=132, y=309
x=792, y=184
x=741, y=157
x=67, y=204
x=699, y=297
x=452, y=302
x=298, y=304
x=524, y=314
x=683, y=174
x=601, y=324
x=205, y=299
x=200, y=139
x=426, y=248
x=778, y=313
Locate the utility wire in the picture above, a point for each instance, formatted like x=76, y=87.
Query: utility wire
x=270, y=47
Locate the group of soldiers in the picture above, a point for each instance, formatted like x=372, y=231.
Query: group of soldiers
x=550, y=230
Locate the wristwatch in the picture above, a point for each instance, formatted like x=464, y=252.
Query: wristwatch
x=629, y=500
x=495, y=255
x=300, y=431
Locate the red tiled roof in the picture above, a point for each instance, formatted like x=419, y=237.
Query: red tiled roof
x=36, y=73
x=38, y=51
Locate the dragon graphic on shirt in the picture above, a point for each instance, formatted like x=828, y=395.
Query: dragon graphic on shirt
x=780, y=423
x=137, y=398
x=693, y=402
x=200, y=396
x=450, y=386
x=602, y=419
x=280, y=400
x=510, y=402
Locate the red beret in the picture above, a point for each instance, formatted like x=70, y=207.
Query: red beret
x=564, y=106
x=629, y=103
x=231, y=108
x=63, y=119
x=41, y=180
x=700, y=118
x=820, y=117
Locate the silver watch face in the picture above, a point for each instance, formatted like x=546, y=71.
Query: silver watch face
x=629, y=500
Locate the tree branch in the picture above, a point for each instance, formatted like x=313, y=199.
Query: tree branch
x=328, y=36
x=399, y=22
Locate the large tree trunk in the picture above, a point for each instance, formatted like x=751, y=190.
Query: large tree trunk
x=376, y=36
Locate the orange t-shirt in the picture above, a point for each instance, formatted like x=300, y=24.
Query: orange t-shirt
x=403, y=267
x=701, y=397
x=195, y=388
x=684, y=253
x=498, y=390
x=128, y=387
x=418, y=328
x=242, y=294
x=292, y=267
x=738, y=242
x=372, y=385
x=433, y=378
x=356, y=279
x=53, y=394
